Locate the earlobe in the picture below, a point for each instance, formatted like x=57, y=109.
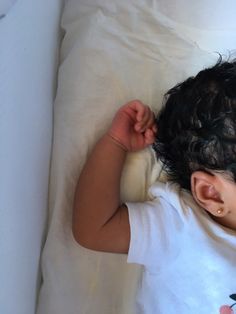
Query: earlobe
x=205, y=190
x=220, y=211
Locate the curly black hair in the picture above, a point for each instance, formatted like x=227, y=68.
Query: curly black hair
x=197, y=125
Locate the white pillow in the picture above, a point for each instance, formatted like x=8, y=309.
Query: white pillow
x=113, y=51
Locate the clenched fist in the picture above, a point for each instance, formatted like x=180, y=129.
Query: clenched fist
x=133, y=126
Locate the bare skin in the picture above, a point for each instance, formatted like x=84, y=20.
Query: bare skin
x=100, y=221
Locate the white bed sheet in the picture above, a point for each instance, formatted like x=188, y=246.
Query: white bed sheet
x=5, y=6
x=29, y=35
x=115, y=51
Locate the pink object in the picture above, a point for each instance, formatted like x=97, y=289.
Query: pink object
x=226, y=309
x=133, y=126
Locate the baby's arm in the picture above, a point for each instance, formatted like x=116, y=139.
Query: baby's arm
x=100, y=222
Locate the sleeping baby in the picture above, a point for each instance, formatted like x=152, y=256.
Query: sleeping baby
x=185, y=237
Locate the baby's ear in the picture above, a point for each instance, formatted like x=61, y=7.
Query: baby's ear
x=206, y=189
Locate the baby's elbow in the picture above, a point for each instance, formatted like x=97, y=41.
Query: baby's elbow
x=83, y=238
x=80, y=231
x=84, y=232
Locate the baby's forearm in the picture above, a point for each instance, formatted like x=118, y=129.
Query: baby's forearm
x=100, y=222
x=97, y=196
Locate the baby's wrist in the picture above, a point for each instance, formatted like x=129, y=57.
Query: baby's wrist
x=116, y=141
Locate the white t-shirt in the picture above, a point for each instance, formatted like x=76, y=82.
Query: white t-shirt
x=189, y=260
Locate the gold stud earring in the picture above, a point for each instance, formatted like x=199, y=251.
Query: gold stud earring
x=220, y=211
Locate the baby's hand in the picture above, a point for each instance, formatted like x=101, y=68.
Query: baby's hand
x=133, y=126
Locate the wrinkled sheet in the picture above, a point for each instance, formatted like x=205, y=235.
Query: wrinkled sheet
x=112, y=52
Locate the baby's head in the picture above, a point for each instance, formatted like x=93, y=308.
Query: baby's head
x=197, y=127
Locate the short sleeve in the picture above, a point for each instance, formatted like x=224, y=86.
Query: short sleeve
x=156, y=231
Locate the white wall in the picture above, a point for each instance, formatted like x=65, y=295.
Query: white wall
x=28, y=60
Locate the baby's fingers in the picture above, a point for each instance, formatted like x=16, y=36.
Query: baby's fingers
x=146, y=122
x=138, y=109
x=149, y=137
